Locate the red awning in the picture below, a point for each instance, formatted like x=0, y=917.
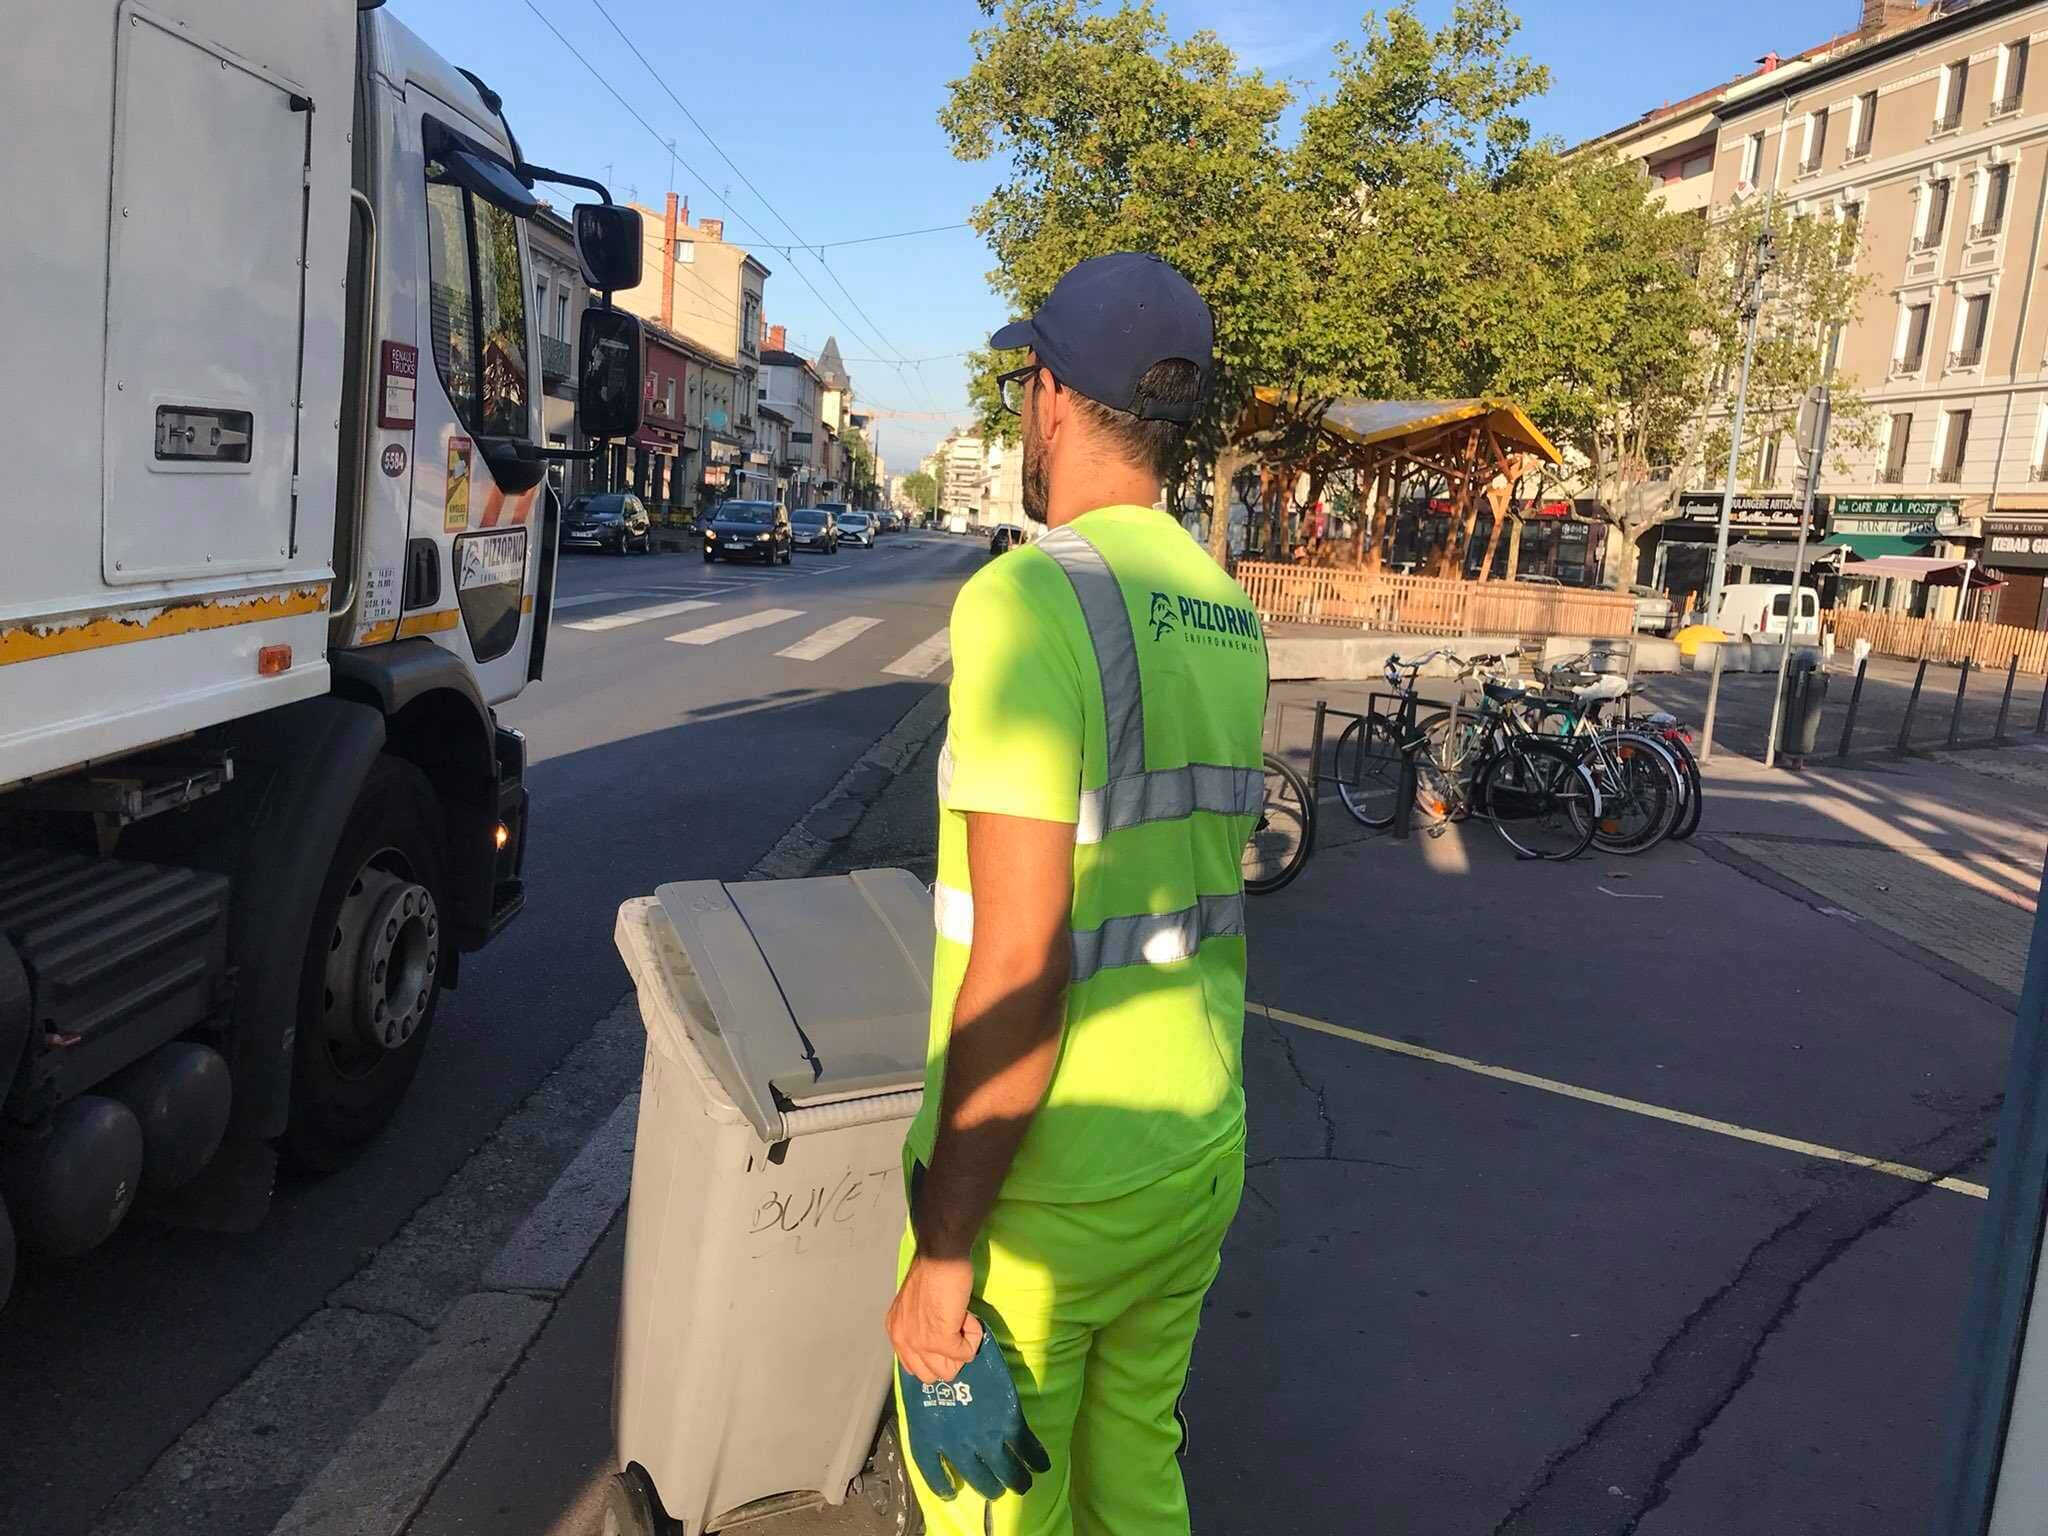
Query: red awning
x=1922, y=568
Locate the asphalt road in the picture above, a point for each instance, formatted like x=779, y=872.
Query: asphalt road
x=650, y=761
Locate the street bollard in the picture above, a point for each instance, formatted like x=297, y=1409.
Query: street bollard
x=2041, y=719
x=2012, y=675
x=1912, y=705
x=1315, y=759
x=1713, y=699
x=1955, y=719
x=1855, y=698
x=1404, y=785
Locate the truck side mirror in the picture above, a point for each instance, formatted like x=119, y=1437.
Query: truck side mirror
x=608, y=374
x=608, y=242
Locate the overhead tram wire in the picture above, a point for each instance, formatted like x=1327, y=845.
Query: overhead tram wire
x=747, y=181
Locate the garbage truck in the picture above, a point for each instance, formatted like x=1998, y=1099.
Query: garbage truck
x=278, y=540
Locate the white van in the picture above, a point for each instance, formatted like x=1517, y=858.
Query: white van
x=1761, y=611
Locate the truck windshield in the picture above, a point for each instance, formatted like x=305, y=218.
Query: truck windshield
x=478, y=307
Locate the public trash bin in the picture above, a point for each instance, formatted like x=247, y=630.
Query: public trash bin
x=786, y=1026
x=1806, y=697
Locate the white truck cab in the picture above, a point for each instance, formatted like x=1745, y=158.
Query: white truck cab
x=281, y=544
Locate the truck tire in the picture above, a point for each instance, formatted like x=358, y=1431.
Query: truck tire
x=376, y=951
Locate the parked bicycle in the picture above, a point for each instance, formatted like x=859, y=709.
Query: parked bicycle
x=1285, y=833
x=1537, y=790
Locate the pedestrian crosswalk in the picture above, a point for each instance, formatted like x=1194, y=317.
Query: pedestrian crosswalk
x=817, y=646
x=924, y=658
x=725, y=629
x=928, y=657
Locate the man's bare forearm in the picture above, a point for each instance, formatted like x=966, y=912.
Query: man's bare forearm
x=1006, y=1038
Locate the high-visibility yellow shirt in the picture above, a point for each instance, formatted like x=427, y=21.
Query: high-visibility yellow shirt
x=1112, y=676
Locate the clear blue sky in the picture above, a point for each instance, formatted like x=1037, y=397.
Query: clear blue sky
x=831, y=111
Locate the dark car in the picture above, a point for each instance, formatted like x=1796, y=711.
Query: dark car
x=613, y=520
x=813, y=528
x=857, y=528
x=1008, y=536
x=747, y=530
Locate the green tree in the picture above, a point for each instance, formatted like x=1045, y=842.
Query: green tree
x=922, y=489
x=1339, y=264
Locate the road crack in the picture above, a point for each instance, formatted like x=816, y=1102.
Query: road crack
x=1285, y=1038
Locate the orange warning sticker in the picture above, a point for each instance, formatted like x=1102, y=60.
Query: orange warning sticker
x=455, y=509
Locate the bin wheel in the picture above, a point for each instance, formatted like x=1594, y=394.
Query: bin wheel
x=885, y=1482
x=633, y=1508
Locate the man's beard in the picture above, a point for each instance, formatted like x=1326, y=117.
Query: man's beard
x=1037, y=491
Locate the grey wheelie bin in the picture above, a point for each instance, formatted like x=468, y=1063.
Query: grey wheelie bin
x=786, y=1025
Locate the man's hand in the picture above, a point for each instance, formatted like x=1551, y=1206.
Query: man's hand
x=932, y=1331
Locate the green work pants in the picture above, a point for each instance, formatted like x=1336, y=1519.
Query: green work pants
x=1095, y=1305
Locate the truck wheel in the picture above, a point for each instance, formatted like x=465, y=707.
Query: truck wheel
x=885, y=1481
x=373, y=967
x=632, y=1508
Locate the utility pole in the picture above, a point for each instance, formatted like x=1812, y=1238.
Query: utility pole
x=1751, y=306
x=1814, y=436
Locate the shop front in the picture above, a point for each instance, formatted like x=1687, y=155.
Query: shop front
x=1872, y=528
x=1677, y=556
x=722, y=466
x=2016, y=547
x=657, y=455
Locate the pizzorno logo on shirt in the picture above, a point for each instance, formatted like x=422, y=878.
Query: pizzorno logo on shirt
x=1197, y=621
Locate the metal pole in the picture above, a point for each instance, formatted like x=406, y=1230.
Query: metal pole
x=2041, y=719
x=1753, y=305
x=2012, y=675
x=1912, y=704
x=1855, y=698
x=1315, y=756
x=1823, y=407
x=1713, y=699
x=1955, y=719
x=1404, y=789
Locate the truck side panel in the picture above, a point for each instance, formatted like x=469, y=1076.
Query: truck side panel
x=67, y=509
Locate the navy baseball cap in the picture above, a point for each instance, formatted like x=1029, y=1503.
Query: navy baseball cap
x=1109, y=320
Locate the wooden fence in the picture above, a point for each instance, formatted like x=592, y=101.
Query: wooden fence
x=1987, y=645
x=1352, y=598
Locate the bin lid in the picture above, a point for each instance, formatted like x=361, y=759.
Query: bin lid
x=818, y=989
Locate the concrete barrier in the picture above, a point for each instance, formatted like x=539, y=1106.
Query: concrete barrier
x=1652, y=653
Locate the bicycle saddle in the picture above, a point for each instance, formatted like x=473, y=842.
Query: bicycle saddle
x=1506, y=693
x=1611, y=686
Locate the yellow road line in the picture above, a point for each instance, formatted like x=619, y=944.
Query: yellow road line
x=1633, y=1106
x=33, y=641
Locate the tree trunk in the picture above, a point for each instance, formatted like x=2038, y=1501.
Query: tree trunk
x=1228, y=462
x=1515, y=550
x=1622, y=556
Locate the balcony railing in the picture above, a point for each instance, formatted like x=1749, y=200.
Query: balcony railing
x=2037, y=471
x=1950, y=120
x=1860, y=150
x=1906, y=367
x=1947, y=474
x=1966, y=357
x=1892, y=474
x=1987, y=229
x=1927, y=242
x=1809, y=166
x=556, y=360
x=2009, y=102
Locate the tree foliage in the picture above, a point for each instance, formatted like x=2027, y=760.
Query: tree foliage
x=922, y=490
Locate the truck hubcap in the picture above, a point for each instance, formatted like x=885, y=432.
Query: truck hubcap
x=381, y=963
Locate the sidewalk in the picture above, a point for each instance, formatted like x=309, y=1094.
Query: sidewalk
x=1586, y=1198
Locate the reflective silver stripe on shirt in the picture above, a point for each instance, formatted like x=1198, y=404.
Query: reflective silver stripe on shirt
x=1116, y=648
x=946, y=771
x=1149, y=938
x=1165, y=794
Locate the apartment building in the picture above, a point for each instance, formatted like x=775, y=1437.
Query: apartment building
x=1925, y=130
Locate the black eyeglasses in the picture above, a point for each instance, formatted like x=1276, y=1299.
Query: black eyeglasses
x=1011, y=386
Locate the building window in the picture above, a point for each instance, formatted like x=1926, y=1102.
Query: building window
x=1752, y=159
x=540, y=299
x=668, y=398
x=2037, y=466
x=1933, y=216
x=1955, y=444
x=2012, y=78
x=1955, y=80
x=1833, y=351
x=562, y=316
x=1897, y=438
x=686, y=252
x=1816, y=141
x=1862, y=124
x=1970, y=323
x=1913, y=337
x=1992, y=188
x=1849, y=238
x=1767, y=460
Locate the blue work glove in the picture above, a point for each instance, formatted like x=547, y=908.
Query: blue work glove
x=972, y=1428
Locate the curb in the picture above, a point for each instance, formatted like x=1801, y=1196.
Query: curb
x=395, y=1456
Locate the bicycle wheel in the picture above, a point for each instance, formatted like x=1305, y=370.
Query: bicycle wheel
x=1688, y=821
x=1454, y=758
x=1641, y=789
x=1367, y=768
x=1284, y=833
x=1540, y=798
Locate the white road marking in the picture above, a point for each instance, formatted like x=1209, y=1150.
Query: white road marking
x=818, y=646
x=589, y=599
x=924, y=658
x=1633, y=1106
x=727, y=628
x=638, y=616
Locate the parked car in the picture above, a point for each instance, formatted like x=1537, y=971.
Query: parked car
x=892, y=520
x=814, y=528
x=1006, y=536
x=1654, y=611
x=1762, y=610
x=836, y=508
x=855, y=528
x=613, y=520
x=747, y=530
x=956, y=522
